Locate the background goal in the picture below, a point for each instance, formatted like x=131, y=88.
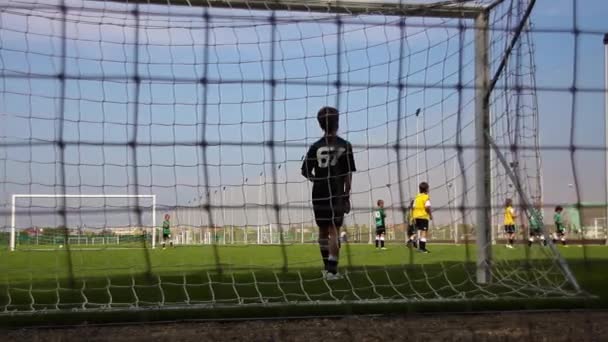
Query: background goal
x=87, y=220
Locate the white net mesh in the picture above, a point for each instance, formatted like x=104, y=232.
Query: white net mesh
x=211, y=110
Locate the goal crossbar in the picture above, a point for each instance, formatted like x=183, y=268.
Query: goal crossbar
x=17, y=196
x=440, y=9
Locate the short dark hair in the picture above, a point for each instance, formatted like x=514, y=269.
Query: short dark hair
x=559, y=208
x=328, y=118
x=423, y=187
x=508, y=202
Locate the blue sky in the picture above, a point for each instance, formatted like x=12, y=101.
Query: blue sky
x=238, y=114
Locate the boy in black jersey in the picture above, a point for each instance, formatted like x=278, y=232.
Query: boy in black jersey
x=329, y=164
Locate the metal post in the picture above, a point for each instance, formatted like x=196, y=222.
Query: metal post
x=454, y=189
x=302, y=210
x=223, y=199
x=606, y=121
x=595, y=228
x=417, y=151
x=214, y=216
x=390, y=194
x=245, y=205
x=153, y=221
x=261, y=207
x=231, y=218
x=201, y=231
x=371, y=222
x=483, y=165
x=13, y=228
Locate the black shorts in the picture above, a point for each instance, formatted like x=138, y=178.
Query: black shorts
x=166, y=236
x=560, y=232
x=509, y=228
x=328, y=212
x=422, y=224
x=380, y=230
x=535, y=232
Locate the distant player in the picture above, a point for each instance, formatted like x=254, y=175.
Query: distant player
x=560, y=228
x=343, y=237
x=422, y=214
x=380, y=218
x=329, y=164
x=509, y=222
x=411, y=226
x=167, y=231
x=536, y=225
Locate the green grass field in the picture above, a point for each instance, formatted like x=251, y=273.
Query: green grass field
x=230, y=279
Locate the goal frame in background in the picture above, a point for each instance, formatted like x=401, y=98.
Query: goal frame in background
x=479, y=14
x=17, y=196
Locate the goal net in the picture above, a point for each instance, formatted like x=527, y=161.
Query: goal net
x=211, y=106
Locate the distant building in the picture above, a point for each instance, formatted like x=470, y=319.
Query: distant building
x=33, y=231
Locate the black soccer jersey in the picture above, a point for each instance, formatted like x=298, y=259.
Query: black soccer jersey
x=328, y=163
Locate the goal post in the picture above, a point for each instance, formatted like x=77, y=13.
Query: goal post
x=15, y=197
x=483, y=170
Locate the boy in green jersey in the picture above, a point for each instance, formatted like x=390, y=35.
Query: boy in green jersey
x=380, y=218
x=536, y=225
x=560, y=228
x=167, y=231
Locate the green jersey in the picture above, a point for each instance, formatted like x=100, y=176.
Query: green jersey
x=536, y=220
x=559, y=223
x=380, y=217
x=166, y=227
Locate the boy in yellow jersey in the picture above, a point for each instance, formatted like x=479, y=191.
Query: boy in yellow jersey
x=509, y=222
x=411, y=226
x=422, y=214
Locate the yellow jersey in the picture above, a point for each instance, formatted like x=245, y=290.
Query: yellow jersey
x=420, y=203
x=509, y=216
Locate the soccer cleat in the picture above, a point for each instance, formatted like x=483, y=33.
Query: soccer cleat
x=333, y=276
x=383, y=248
x=425, y=251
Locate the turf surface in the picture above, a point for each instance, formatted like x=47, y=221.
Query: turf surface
x=60, y=280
